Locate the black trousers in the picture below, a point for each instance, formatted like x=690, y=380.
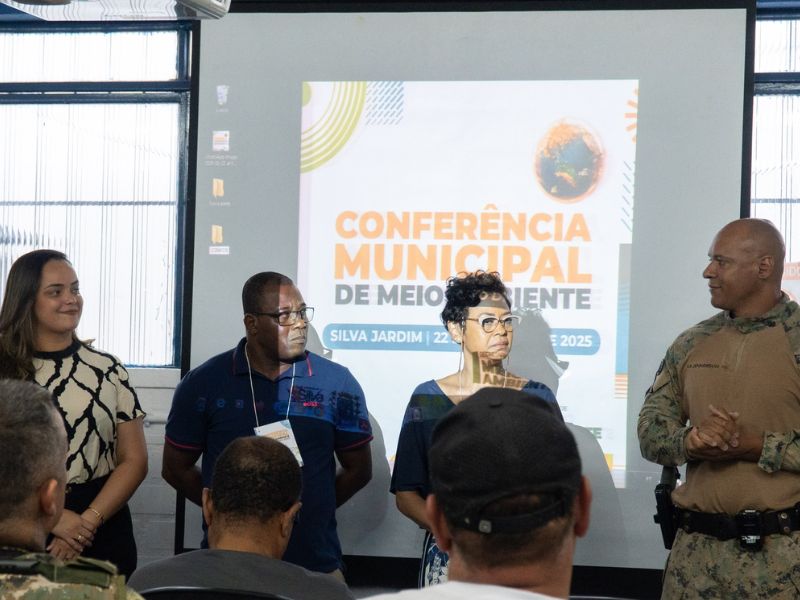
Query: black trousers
x=113, y=540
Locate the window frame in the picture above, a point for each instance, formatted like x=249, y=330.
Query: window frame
x=775, y=83
x=180, y=91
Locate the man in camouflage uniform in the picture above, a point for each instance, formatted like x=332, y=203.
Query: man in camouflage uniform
x=726, y=401
x=33, y=449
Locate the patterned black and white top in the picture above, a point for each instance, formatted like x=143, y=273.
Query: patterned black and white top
x=93, y=394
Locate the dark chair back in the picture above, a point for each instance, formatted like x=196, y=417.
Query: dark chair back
x=596, y=598
x=189, y=593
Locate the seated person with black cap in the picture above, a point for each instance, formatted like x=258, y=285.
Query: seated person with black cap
x=508, y=499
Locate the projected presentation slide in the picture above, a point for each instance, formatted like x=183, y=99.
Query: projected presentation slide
x=404, y=184
x=588, y=156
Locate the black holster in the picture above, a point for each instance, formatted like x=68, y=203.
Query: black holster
x=666, y=514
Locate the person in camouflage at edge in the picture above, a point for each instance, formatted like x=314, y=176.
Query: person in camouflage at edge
x=33, y=445
x=726, y=401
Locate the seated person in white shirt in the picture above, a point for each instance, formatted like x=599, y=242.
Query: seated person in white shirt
x=508, y=499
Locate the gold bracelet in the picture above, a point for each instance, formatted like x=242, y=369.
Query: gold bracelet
x=97, y=512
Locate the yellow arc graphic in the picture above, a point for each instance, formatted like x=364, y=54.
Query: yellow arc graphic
x=326, y=137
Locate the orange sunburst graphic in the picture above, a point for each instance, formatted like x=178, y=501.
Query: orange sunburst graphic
x=633, y=114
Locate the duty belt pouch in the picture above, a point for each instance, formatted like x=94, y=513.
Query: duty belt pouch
x=748, y=524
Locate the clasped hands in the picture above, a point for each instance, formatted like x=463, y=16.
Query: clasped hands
x=720, y=437
x=71, y=535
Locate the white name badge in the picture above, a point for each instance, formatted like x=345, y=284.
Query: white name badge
x=281, y=431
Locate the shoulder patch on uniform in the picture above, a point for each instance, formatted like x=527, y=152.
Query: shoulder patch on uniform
x=660, y=380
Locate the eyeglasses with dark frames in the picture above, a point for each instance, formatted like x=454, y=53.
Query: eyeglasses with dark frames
x=289, y=317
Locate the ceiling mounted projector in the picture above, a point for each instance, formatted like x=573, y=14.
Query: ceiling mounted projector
x=121, y=10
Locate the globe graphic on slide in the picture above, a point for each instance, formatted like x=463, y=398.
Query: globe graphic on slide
x=569, y=162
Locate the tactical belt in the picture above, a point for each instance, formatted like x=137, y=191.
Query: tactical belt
x=725, y=527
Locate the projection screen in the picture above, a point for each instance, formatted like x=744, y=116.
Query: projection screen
x=587, y=155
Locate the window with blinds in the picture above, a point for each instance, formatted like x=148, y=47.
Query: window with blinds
x=775, y=182
x=93, y=138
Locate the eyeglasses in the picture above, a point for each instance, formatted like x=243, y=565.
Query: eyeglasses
x=289, y=317
x=489, y=324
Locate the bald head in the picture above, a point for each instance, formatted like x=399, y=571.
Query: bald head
x=755, y=229
x=760, y=238
x=746, y=267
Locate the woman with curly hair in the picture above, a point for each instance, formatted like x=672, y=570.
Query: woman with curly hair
x=477, y=314
x=107, y=456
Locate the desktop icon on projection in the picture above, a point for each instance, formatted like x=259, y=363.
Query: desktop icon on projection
x=216, y=241
x=221, y=141
x=218, y=187
x=222, y=94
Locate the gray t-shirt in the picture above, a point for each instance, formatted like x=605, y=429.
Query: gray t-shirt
x=226, y=569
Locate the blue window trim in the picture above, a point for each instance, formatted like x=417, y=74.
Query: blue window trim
x=777, y=9
x=88, y=98
x=95, y=86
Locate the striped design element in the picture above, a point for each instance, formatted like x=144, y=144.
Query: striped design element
x=621, y=386
x=328, y=135
x=384, y=103
x=626, y=206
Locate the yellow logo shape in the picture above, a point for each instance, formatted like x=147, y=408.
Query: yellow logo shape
x=327, y=136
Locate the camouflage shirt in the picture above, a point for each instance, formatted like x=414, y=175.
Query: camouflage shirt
x=38, y=576
x=663, y=419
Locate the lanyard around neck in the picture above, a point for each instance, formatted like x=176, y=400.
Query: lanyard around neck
x=253, y=391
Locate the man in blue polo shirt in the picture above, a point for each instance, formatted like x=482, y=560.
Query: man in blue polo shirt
x=270, y=385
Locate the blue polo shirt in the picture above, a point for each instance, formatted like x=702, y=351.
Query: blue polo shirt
x=213, y=405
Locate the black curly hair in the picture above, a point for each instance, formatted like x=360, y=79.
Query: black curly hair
x=467, y=289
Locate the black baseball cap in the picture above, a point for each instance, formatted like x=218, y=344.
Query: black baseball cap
x=499, y=444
